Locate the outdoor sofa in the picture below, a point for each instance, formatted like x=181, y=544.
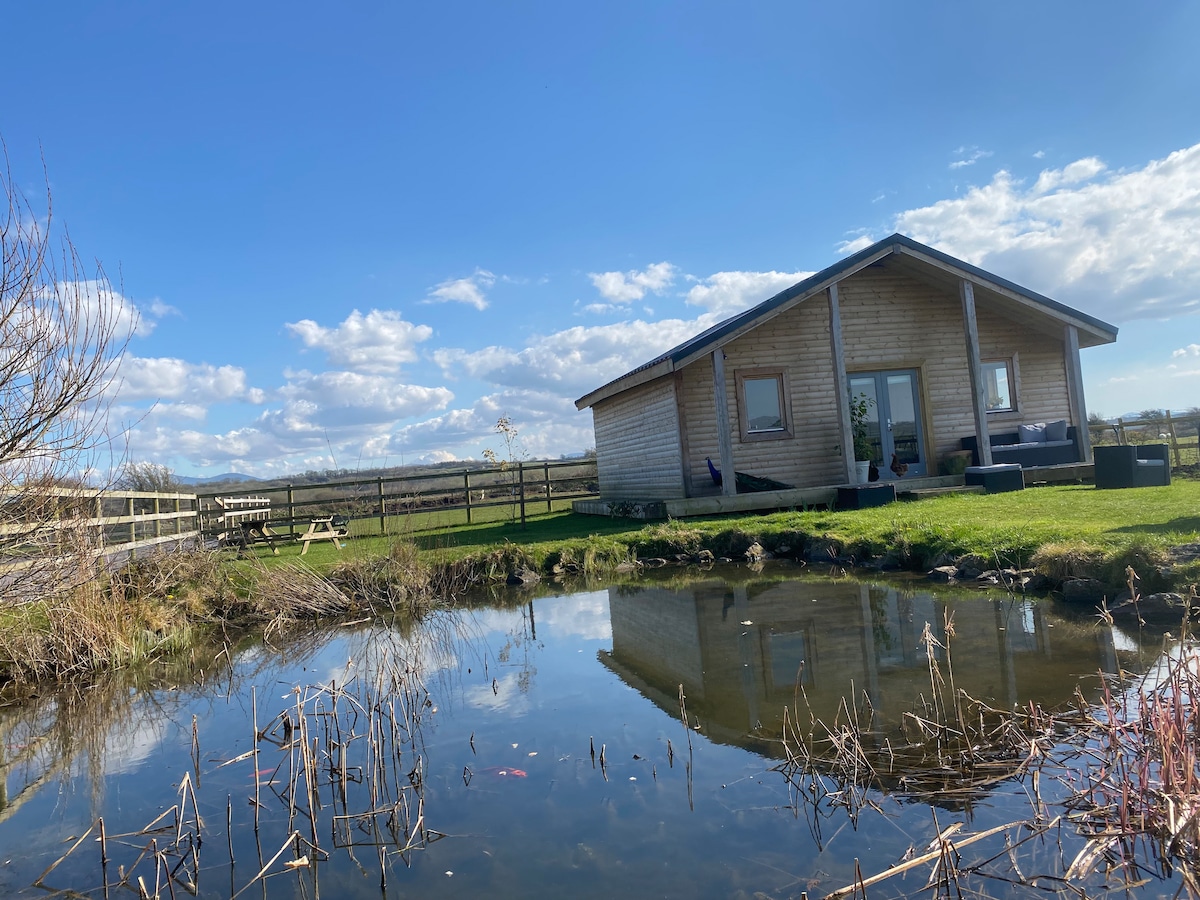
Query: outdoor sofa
x=1140, y=465
x=1043, y=444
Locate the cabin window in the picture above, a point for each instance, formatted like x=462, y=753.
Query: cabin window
x=763, y=405
x=1000, y=385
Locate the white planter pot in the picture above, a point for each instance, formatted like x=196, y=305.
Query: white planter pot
x=862, y=469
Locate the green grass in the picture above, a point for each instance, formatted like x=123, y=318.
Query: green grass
x=1112, y=528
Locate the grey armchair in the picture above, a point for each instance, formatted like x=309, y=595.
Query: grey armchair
x=1141, y=465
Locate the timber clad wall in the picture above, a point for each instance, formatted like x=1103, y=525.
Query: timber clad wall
x=638, y=444
x=798, y=343
x=889, y=321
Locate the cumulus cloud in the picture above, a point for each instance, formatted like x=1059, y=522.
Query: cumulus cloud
x=380, y=341
x=1119, y=245
x=575, y=360
x=626, y=287
x=335, y=399
x=726, y=293
x=171, y=379
x=1189, y=350
x=468, y=290
x=547, y=425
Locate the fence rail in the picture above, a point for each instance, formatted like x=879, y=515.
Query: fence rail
x=377, y=503
x=114, y=524
x=1174, y=430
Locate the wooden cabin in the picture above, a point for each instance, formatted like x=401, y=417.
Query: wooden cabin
x=942, y=350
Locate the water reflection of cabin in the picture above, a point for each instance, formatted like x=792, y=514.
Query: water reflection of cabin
x=943, y=349
x=838, y=639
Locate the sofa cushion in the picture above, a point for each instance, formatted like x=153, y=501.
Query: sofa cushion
x=1056, y=431
x=1032, y=433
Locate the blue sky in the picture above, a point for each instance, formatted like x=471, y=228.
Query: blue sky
x=358, y=234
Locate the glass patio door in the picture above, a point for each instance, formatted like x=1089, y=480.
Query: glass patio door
x=893, y=419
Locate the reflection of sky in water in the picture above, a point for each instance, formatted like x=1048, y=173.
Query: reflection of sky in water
x=127, y=748
x=579, y=615
x=536, y=691
x=506, y=694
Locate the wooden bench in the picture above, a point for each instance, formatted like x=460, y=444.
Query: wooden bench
x=328, y=528
x=260, y=531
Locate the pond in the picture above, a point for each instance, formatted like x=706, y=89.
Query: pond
x=537, y=747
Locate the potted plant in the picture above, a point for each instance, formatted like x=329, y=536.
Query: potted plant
x=860, y=406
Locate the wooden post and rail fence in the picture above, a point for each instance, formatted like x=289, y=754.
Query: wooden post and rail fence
x=119, y=525
x=1179, y=432
x=385, y=504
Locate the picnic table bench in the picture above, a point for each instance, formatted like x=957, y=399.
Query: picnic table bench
x=263, y=531
x=328, y=528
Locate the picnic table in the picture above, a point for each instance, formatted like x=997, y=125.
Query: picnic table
x=263, y=531
x=260, y=531
x=329, y=528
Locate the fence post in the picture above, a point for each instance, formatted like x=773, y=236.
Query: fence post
x=467, y=488
x=157, y=520
x=291, y=509
x=521, y=482
x=1120, y=429
x=132, y=527
x=382, y=509
x=1173, y=439
x=546, y=476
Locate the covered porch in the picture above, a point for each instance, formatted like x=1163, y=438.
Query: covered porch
x=717, y=503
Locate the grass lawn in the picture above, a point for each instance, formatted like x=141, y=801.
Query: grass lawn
x=1074, y=522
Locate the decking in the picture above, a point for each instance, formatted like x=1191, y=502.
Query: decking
x=804, y=498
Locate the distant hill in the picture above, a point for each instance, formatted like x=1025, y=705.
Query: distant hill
x=213, y=479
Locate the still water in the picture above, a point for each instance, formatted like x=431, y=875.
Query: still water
x=531, y=748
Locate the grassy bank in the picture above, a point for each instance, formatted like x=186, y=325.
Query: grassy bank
x=1063, y=530
x=157, y=605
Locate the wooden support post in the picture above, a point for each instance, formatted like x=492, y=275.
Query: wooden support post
x=1171, y=436
x=467, y=490
x=975, y=367
x=546, y=477
x=724, y=437
x=382, y=510
x=132, y=526
x=841, y=383
x=157, y=520
x=291, y=501
x=521, y=484
x=1075, y=392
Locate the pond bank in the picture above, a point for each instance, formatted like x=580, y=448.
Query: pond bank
x=1071, y=538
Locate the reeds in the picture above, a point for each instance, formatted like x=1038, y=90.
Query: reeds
x=1117, y=782
x=339, y=769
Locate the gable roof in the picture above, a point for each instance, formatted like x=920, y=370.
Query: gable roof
x=911, y=256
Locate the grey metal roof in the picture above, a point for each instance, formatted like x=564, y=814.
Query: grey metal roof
x=892, y=244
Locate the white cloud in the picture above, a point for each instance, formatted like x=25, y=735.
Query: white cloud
x=1189, y=350
x=380, y=341
x=1074, y=173
x=625, y=287
x=158, y=309
x=468, y=290
x=1119, y=245
x=332, y=400
x=171, y=379
x=576, y=360
x=853, y=246
x=547, y=426
x=968, y=156
x=726, y=293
